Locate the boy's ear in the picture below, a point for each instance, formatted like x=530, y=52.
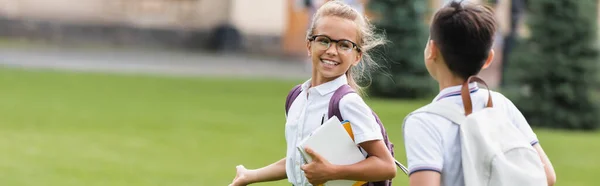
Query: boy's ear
x=489, y=60
x=431, y=51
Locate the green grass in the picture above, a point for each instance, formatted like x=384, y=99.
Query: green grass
x=70, y=129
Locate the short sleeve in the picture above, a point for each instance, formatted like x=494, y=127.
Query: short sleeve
x=423, y=143
x=358, y=113
x=520, y=122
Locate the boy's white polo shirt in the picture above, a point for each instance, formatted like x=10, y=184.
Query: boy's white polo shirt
x=310, y=108
x=433, y=142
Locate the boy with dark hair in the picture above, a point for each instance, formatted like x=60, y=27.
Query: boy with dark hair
x=459, y=47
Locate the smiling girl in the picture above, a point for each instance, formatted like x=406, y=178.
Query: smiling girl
x=338, y=43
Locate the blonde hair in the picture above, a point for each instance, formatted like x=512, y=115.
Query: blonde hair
x=367, y=39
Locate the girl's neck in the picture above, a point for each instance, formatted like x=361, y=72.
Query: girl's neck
x=318, y=79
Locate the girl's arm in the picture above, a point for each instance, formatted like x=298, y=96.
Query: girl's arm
x=380, y=163
x=273, y=172
x=378, y=166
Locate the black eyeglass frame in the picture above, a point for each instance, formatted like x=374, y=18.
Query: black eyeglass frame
x=354, y=45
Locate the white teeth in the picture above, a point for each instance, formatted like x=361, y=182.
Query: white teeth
x=330, y=62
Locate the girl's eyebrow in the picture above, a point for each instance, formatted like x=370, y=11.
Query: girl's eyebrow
x=333, y=38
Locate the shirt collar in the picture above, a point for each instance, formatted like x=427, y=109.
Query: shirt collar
x=454, y=91
x=327, y=87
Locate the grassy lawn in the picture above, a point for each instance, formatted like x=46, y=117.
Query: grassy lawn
x=72, y=129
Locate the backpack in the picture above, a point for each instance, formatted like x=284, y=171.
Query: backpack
x=494, y=151
x=334, y=110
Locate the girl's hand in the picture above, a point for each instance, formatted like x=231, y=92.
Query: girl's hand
x=243, y=176
x=319, y=170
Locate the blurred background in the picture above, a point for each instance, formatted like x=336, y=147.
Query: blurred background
x=179, y=92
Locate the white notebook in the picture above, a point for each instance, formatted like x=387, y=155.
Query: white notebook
x=335, y=144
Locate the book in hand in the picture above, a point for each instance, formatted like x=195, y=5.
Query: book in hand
x=332, y=141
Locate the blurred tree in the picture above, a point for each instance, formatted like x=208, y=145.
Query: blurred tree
x=402, y=73
x=552, y=77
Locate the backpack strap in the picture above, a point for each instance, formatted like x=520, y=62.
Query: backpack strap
x=292, y=95
x=453, y=112
x=445, y=109
x=448, y=110
x=334, y=102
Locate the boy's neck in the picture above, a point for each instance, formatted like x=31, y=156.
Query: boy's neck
x=450, y=82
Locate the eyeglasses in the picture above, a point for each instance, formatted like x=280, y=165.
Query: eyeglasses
x=324, y=42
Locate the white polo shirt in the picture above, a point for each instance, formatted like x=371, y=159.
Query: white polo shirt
x=310, y=108
x=433, y=142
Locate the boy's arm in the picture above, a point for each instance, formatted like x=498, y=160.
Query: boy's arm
x=522, y=124
x=425, y=178
x=550, y=174
x=424, y=151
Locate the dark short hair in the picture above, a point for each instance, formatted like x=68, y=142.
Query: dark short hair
x=464, y=34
